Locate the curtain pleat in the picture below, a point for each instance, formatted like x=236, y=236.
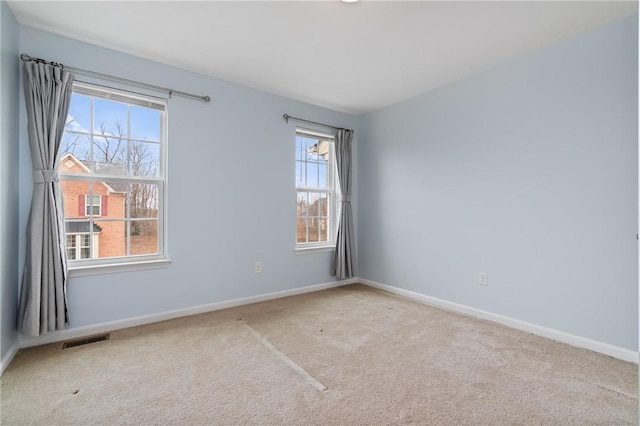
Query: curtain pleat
x=43, y=299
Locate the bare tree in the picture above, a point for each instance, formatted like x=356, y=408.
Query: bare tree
x=72, y=142
x=110, y=147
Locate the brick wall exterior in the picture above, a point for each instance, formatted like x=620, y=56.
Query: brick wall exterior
x=111, y=240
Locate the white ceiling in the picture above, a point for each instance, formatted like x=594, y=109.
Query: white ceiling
x=350, y=57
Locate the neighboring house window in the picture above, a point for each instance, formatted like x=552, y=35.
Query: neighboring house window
x=316, y=183
x=78, y=246
x=112, y=176
x=92, y=205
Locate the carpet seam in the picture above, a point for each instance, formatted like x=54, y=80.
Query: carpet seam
x=291, y=363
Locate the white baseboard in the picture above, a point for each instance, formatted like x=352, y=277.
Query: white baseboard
x=549, y=333
x=8, y=357
x=75, y=333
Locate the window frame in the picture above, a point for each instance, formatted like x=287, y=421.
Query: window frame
x=94, y=266
x=332, y=191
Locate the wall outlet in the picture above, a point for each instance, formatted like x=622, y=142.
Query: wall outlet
x=258, y=267
x=483, y=278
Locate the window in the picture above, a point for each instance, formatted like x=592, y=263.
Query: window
x=112, y=175
x=92, y=205
x=78, y=246
x=315, y=189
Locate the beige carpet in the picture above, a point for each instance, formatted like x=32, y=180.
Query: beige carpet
x=346, y=356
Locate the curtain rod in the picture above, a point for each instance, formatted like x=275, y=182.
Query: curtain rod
x=27, y=58
x=287, y=117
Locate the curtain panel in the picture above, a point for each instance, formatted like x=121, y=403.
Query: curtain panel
x=43, y=299
x=344, y=253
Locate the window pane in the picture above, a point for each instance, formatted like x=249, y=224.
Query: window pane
x=322, y=172
x=313, y=230
x=144, y=237
x=79, y=116
x=302, y=204
x=301, y=230
x=145, y=123
x=144, y=159
x=73, y=194
x=114, y=203
x=318, y=204
x=110, y=118
x=143, y=200
x=79, y=146
x=323, y=229
x=312, y=175
x=109, y=155
x=110, y=238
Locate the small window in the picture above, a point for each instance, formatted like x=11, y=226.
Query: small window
x=112, y=175
x=93, y=204
x=78, y=246
x=316, y=207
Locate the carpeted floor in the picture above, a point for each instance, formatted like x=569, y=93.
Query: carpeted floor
x=346, y=356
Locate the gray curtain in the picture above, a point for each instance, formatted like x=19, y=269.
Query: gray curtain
x=344, y=253
x=43, y=298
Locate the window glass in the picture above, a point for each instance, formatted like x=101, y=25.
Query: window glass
x=316, y=195
x=111, y=176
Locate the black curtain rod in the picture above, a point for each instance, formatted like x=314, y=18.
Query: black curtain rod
x=287, y=117
x=27, y=58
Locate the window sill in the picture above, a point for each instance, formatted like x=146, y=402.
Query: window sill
x=88, y=270
x=314, y=249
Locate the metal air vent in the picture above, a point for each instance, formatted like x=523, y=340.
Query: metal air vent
x=85, y=341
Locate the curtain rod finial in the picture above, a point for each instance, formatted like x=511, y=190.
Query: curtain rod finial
x=286, y=117
x=206, y=98
x=25, y=57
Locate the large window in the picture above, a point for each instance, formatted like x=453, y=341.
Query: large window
x=112, y=174
x=315, y=189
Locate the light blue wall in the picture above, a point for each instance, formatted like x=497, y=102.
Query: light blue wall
x=9, y=79
x=231, y=192
x=527, y=172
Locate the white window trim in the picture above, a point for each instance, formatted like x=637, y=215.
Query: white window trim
x=328, y=246
x=114, y=268
x=317, y=249
x=87, y=267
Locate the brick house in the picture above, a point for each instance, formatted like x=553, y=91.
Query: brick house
x=108, y=236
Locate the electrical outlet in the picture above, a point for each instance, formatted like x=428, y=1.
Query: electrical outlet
x=258, y=267
x=483, y=278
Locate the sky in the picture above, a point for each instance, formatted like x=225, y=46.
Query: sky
x=144, y=123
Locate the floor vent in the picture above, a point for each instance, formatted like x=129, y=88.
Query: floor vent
x=85, y=341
